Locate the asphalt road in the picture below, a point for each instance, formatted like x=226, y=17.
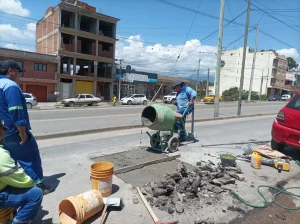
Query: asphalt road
x=66, y=120
x=67, y=160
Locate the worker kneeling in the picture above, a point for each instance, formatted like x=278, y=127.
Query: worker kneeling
x=185, y=104
x=17, y=190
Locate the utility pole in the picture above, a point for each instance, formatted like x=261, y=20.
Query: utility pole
x=119, y=94
x=253, y=64
x=198, y=78
x=261, y=83
x=218, y=69
x=267, y=76
x=243, y=62
x=207, y=84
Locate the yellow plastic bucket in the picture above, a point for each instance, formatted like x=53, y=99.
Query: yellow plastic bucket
x=101, y=176
x=256, y=160
x=6, y=215
x=79, y=208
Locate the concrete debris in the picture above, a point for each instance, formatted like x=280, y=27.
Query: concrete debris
x=182, y=188
x=236, y=209
x=282, y=217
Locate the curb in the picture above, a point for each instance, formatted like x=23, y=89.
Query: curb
x=99, y=130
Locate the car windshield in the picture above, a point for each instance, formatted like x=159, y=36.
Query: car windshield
x=77, y=96
x=294, y=103
x=172, y=94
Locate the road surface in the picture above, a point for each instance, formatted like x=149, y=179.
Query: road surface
x=68, y=120
x=67, y=160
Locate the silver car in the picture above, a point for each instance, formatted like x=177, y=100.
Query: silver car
x=81, y=99
x=134, y=99
x=30, y=100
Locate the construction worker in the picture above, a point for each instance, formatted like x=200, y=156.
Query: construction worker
x=18, y=139
x=114, y=100
x=184, y=98
x=17, y=189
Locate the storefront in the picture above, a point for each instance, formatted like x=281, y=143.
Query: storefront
x=135, y=82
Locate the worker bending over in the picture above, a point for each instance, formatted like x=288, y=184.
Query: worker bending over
x=17, y=189
x=184, y=98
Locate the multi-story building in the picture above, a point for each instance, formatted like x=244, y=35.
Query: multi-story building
x=269, y=73
x=40, y=75
x=84, y=42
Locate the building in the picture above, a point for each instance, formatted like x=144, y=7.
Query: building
x=134, y=82
x=84, y=42
x=292, y=82
x=40, y=75
x=269, y=73
x=167, y=85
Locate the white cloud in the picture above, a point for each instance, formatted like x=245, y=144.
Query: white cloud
x=16, y=47
x=289, y=52
x=8, y=32
x=13, y=7
x=161, y=59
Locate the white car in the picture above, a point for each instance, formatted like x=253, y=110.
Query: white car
x=81, y=99
x=30, y=100
x=134, y=99
x=286, y=97
x=171, y=98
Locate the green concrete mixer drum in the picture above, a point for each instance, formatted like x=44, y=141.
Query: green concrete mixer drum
x=158, y=117
x=161, y=119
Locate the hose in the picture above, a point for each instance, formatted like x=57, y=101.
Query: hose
x=274, y=197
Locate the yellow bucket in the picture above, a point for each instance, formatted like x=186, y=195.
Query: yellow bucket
x=256, y=160
x=101, y=176
x=79, y=208
x=6, y=215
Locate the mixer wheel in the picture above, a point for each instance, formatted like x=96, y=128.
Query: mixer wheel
x=173, y=144
x=155, y=140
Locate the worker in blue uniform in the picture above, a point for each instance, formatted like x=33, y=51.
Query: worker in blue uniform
x=18, y=139
x=184, y=98
x=17, y=189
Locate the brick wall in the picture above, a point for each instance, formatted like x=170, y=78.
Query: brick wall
x=44, y=27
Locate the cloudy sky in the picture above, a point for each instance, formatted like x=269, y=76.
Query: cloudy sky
x=168, y=37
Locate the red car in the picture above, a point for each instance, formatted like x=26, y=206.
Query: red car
x=286, y=127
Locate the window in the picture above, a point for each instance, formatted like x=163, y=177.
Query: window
x=89, y=96
x=81, y=96
x=27, y=96
x=40, y=67
x=294, y=103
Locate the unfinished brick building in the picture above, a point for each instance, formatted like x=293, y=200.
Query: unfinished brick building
x=84, y=42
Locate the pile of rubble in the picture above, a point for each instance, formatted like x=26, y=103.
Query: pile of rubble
x=179, y=189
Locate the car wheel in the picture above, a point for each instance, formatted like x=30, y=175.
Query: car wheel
x=145, y=102
x=277, y=146
x=94, y=103
x=71, y=104
x=129, y=102
x=212, y=101
x=28, y=105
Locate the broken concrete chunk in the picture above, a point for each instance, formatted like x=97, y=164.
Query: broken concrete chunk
x=144, y=192
x=236, y=209
x=162, y=200
x=158, y=192
x=170, y=210
x=227, y=181
x=218, y=190
x=162, y=184
x=197, y=182
x=179, y=207
x=216, y=182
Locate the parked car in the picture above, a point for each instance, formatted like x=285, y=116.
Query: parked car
x=286, y=127
x=171, y=98
x=275, y=98
x=30, y=100
x=286, y=97
x=134, y=99
x=211, y=99
x=81, y=99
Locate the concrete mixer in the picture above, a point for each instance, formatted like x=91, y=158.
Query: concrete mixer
x=162, y=119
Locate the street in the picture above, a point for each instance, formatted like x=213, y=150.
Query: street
x=45, y=122
x=67, y=160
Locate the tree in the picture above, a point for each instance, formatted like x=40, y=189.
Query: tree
x=292, y=63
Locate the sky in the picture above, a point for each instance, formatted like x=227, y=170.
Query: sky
x=167, y=36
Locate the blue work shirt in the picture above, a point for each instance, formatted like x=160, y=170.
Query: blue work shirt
x=184, y=97
x=13, y=110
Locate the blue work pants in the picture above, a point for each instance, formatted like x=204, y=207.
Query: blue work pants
x=26, y=200
x=27, y=155
x=178, y=123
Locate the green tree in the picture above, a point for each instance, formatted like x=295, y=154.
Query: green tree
x=292, y=63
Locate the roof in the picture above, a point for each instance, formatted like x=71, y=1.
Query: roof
x=11, y=53
x=170, y=79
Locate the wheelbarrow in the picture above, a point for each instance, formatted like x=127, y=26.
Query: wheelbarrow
x=162, y=119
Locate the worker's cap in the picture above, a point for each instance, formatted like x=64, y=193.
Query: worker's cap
x=7, y=64
x=177, y=83
x=2, y=125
